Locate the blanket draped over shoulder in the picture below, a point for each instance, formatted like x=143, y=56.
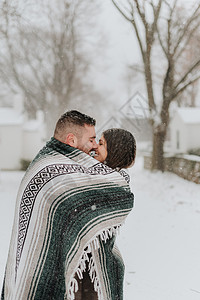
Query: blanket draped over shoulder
x=69, y=208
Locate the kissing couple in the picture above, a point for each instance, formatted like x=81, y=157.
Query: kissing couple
x=72, y=200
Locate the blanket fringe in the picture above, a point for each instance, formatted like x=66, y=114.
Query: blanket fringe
x=73, y=286
x=72, y=289
x=94, y=278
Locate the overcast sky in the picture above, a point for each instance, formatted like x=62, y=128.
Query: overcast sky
x=122, y=49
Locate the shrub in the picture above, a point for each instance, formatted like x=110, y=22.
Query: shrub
x=24, y=164
x=194, y=151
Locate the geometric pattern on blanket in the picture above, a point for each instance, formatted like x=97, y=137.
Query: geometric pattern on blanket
x=69, y=209
x=36, y=184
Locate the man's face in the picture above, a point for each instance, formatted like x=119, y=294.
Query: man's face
x=87, y=141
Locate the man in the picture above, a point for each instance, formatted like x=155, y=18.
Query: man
x=68, y=206
x=77, y=130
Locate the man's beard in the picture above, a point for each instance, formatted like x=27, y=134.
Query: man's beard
x=84, y=148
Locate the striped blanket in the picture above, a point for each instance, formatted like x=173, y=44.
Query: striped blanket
x=69, y=208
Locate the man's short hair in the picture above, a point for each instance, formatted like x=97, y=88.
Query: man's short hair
x=71, y=119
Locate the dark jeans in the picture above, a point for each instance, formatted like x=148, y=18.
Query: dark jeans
x=85, y=288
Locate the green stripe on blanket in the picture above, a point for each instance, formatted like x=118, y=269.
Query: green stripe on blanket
x=69, y=208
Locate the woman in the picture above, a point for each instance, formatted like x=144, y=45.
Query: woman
x=116, y=149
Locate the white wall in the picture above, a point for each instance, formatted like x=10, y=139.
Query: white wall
x=10, y=146
x=193, y=136
x=189, y=135
x=32, y=143
x=33, y=137
x=19, y=139
x=178, y=134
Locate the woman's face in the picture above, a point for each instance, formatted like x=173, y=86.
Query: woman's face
x=101, y=152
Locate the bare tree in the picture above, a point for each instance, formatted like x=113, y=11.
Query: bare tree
x=43, y=54
x=190, y=94
x=162, y=20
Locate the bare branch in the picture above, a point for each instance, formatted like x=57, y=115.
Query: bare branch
x=185, y=29
x=184, y=86
x=121, y=12
x=189, y=71
x=141, y=13
x=137, y=68
x=156, y=10
x=187, y=40
x=167, y=48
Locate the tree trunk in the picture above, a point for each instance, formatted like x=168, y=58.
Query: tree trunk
x=159, y=136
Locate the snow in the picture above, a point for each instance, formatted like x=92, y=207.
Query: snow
x=8, y=116
x=32, y=125
x=190, y=115
x=35, y=124
x=9, y=183
x=191, y=157
x=159, y=241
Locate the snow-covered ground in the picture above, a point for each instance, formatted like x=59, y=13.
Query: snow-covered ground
x=159, y=242
x=9, y=183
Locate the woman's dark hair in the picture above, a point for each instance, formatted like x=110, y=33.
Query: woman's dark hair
x=121, y=147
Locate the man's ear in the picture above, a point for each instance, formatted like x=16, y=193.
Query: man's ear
x=71, y=140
